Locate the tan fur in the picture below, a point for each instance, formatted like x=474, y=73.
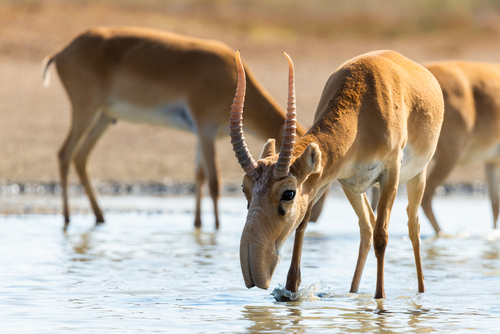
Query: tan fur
x=378, y=121
x=471, y=126
x=150, y=76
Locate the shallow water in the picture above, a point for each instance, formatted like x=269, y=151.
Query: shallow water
x=148, y=270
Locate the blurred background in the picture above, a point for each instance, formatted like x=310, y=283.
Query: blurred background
x=318, y=34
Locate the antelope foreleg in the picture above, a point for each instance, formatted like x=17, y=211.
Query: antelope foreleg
x=366, y=218
x=200, y=181
x=444, y=164
x=211, y=169
x=81, y=163
x=492, y=177
x=293, y=277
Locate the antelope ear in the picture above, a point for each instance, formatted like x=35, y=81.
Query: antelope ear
x=268, y=149
x=309, y=161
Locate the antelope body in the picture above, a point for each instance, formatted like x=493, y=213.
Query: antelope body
x=153, y=77
x=471, y=126
x=378, y=121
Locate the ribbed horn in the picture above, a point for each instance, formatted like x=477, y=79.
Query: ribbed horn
x=283, y=164
x=236, y=124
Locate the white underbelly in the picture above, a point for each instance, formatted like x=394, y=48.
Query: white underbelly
x=174, y=114
x=364, y=175
x=412, y=164
x=473, y=155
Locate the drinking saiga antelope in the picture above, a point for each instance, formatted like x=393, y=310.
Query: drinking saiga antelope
x=153, y=77
x=378, y=121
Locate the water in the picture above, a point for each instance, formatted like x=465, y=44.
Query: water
x=147, y=270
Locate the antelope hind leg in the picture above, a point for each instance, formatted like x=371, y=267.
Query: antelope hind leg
x=415, y=188
x=81, y=163
x=492, y=177
x=388, y=189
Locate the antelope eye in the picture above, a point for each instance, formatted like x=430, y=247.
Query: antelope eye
x=243, y=189
x=288, y=195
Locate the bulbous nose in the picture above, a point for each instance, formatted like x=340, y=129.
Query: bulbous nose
x=257, y=264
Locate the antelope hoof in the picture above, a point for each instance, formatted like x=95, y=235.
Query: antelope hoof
x=292, y=285
x=283, y=299
x=197, y=223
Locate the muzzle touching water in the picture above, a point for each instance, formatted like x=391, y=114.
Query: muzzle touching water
x=258, y=263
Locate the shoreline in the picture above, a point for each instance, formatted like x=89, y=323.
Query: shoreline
x=189, y=188
x=44, y=198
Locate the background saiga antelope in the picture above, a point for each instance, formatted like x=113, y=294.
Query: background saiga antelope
x=378, y=121
x=149, y=76
x=471, y=126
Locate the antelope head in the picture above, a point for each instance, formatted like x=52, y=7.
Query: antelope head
x=278, y=188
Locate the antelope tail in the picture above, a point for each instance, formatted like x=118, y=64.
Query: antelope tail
x=45, y=67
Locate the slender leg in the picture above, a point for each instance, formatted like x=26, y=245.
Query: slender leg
x=415, y=188
x=200, y=180
x=444, y=164
x=207, y=145
x=375, y=197
x=318, y=207
x=492, y=176
x=83, y=117
x=81, y=163
x=388, y=190
x=366, y=218
x=293, y=278
x=64, y=161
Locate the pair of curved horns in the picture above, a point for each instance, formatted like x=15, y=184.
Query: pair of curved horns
x=240, y=148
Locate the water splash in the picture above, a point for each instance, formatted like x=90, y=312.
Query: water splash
x=281, y=294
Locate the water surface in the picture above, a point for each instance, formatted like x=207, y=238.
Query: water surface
x=148, y=270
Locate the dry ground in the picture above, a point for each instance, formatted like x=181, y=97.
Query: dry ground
x=35, y=120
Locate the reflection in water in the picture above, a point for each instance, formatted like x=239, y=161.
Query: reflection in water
x=294, y=314
x=80, y=243
x=388, y=315
x=266, y=319
x=492, y=252
x=365, y=314
x=204, y=238
x=418, y=315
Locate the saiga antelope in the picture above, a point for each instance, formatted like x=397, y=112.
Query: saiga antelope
x=471, y=127
x=378, y=121
x=153, y=77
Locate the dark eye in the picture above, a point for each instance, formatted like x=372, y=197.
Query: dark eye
x=243, y=188
x=288, y=195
